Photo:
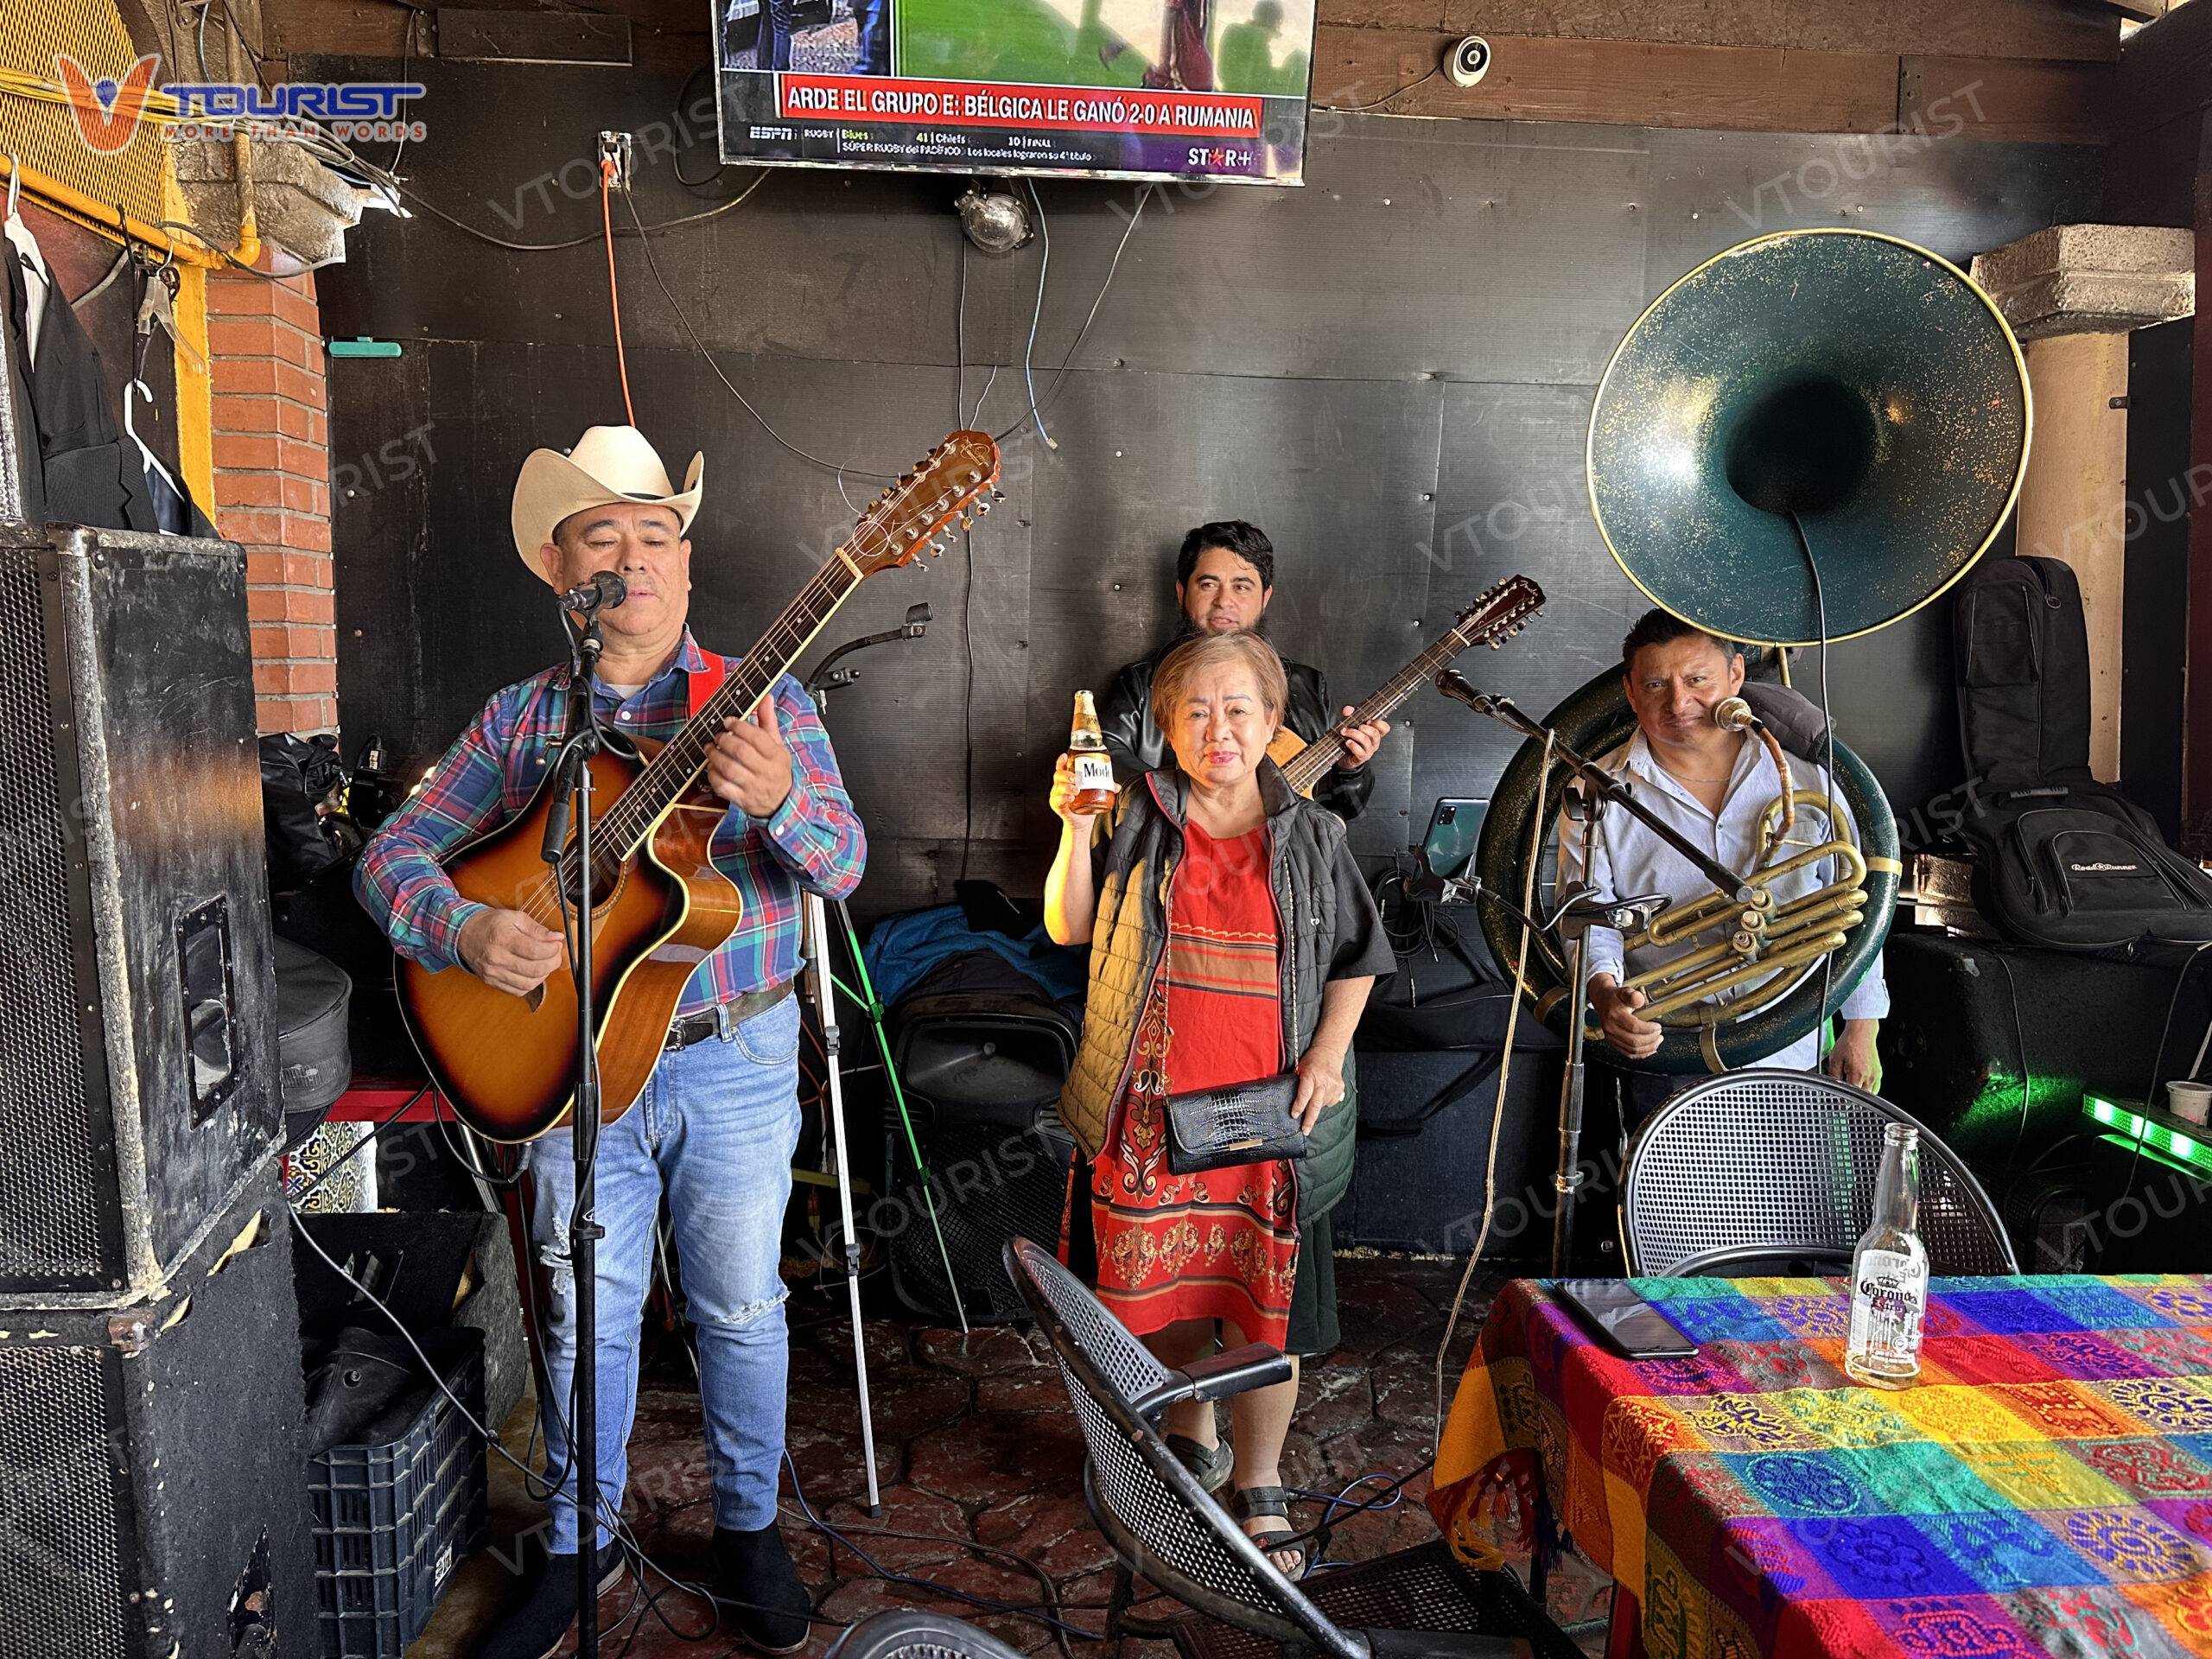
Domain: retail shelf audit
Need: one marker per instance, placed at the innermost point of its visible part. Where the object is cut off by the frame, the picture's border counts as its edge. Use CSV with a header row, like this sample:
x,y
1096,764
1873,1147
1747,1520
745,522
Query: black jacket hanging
x,y
91,473
30,473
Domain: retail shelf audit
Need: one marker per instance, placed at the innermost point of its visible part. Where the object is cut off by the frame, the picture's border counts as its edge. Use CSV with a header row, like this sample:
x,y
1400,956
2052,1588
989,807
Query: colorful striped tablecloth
x,y
2045,1489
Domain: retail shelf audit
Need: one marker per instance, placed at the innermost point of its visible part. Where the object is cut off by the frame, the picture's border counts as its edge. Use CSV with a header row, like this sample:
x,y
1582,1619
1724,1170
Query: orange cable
x,y
614,295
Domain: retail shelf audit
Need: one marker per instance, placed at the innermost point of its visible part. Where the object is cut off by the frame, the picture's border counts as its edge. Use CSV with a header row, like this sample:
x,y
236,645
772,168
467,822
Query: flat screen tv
x,y
1121,89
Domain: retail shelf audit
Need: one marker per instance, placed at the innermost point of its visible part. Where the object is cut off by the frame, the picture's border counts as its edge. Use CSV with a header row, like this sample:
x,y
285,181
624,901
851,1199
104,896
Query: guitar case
x,y
2064,862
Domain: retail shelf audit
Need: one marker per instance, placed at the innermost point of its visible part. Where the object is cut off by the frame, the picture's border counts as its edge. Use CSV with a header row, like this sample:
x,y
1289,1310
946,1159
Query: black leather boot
x,y
536,1624
759,1589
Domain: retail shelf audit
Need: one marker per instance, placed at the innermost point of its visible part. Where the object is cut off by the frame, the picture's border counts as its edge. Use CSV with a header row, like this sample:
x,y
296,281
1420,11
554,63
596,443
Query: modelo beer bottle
x,y
1094,770
1889,1272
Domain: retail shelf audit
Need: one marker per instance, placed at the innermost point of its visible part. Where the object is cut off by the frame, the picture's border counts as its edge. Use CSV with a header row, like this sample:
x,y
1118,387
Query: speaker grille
x,y
60,1561
49,1211
980,1205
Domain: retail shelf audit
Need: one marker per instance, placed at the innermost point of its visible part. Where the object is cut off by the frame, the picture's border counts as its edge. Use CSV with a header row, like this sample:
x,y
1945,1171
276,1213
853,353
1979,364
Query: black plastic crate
x,y
392,1522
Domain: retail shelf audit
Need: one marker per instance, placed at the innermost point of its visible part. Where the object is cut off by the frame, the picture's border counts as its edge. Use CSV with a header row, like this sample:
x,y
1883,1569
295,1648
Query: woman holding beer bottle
x,y
1231,941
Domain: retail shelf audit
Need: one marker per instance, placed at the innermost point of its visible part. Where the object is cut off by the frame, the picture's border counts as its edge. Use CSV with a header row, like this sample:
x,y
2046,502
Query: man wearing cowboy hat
x,y
715,1129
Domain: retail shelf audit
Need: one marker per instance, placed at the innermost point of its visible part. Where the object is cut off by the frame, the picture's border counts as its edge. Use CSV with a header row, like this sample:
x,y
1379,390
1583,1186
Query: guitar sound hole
x,y
605,876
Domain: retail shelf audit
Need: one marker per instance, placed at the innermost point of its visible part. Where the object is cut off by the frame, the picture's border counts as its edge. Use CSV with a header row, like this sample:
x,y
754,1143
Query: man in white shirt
x,y
1711,786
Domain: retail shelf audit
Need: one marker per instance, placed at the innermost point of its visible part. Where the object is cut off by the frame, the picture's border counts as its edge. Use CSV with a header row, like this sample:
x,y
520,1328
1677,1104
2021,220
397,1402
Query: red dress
x,y
1224,1245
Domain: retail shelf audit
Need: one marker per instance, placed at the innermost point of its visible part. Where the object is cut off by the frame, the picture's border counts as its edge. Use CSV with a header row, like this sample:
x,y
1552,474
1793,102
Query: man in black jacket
x,y
1225,578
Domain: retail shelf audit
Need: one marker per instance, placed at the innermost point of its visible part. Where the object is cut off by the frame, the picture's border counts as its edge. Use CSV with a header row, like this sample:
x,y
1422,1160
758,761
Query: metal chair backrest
x,y
1771,1163
1151,1508
915,1633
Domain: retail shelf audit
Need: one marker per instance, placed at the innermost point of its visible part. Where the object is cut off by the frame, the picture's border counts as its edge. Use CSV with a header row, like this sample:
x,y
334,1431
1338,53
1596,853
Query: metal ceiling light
x,y
995,219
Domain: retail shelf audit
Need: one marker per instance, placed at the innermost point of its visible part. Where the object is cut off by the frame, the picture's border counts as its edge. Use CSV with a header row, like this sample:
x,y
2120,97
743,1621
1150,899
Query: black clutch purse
x,y
1242,1123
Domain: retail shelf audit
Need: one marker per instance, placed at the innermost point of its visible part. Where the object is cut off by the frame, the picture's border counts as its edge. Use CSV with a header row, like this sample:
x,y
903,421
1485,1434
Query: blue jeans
x,y
714,1130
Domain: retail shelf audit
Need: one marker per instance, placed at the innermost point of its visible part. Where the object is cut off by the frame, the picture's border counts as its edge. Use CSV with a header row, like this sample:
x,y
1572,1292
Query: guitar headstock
x,y
1500,614
953,481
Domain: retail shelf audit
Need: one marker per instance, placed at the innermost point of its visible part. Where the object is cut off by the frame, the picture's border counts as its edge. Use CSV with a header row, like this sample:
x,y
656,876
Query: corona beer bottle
x,y
1889,1272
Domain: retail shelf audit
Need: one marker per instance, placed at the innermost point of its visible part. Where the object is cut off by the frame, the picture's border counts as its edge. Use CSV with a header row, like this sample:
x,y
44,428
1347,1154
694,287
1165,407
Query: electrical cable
x,y
1059,375
1834,791
653,265
2158,1056
610,1517
1060,1628
1362,109
1029,351
367,1140
1396,1492
960,342
1504,1076
675,162
642,230
2027,1081
607,170
968,704
406,49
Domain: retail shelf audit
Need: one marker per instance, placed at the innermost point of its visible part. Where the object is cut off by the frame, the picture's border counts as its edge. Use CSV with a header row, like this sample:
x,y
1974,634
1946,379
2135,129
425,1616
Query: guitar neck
x,y
673,771
1306,767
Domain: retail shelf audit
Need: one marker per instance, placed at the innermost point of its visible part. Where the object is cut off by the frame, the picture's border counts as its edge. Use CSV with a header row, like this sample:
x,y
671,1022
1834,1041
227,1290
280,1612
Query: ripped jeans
x,y
715,1130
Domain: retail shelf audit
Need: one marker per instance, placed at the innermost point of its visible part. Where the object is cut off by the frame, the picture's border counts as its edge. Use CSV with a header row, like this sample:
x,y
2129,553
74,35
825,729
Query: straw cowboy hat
x,y
610,465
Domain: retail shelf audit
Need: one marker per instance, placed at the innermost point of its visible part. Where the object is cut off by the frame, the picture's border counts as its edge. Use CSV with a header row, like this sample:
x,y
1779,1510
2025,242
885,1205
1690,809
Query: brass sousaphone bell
x,y
1808,436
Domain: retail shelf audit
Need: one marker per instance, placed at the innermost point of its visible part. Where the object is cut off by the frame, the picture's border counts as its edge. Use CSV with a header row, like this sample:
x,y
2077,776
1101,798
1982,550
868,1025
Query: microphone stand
x,y
1571,922
572,789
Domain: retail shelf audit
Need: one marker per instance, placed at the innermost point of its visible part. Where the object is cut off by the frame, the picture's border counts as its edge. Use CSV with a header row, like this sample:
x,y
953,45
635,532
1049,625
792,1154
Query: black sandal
x,y
1210,1466
1272,1502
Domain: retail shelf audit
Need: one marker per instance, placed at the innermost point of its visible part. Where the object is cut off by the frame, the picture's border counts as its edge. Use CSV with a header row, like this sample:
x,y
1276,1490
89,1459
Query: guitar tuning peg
x,y
998,495
982,507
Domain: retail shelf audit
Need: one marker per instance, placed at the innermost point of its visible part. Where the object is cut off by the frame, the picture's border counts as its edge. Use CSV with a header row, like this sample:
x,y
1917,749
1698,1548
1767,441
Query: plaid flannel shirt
x,y
489,776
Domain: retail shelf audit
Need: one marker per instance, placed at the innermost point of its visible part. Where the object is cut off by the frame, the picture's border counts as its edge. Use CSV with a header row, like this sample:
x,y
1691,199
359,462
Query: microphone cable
x,y
1835,789
1504,1077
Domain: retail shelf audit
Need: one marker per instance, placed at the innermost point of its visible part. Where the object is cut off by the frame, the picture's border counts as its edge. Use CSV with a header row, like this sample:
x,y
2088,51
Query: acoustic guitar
x,y
659,906
1501,613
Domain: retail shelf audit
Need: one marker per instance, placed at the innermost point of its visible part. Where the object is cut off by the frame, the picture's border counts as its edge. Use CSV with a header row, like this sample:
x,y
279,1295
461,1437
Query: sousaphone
x,y
1807,437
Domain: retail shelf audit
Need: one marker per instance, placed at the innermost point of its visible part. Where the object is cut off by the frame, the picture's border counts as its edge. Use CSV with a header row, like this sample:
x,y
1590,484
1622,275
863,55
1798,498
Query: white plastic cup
x,y
2192,1101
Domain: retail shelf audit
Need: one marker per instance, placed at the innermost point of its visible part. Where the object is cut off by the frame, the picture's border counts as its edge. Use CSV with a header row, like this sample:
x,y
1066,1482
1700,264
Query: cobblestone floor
x,y
975,1440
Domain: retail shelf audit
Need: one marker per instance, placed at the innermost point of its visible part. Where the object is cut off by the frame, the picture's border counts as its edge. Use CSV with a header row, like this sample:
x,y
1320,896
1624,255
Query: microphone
x,y
1735,715
606,590
1453,685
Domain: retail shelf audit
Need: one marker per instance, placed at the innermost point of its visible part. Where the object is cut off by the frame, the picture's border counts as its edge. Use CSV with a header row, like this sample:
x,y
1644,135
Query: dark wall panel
x,y
1390,369
2154,611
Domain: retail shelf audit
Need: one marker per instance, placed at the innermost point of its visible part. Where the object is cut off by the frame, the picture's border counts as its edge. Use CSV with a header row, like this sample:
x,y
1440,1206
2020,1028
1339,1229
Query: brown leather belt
x,y
707,1022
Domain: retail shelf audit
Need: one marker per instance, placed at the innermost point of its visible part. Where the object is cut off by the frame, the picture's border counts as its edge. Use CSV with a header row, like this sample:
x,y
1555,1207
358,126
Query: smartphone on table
x,y
1633,1327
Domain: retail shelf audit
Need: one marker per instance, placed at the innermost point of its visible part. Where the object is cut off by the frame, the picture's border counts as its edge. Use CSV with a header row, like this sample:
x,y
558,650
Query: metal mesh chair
x,y
911,1633
1162,1523
1769,1171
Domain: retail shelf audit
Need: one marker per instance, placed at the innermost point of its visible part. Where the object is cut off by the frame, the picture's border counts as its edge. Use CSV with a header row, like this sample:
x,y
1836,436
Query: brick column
x,y
272,487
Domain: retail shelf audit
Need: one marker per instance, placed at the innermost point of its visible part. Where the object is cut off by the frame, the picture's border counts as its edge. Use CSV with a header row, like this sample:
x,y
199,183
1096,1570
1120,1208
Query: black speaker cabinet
x,y
153,1498
137,1027
1423,1191
983,1075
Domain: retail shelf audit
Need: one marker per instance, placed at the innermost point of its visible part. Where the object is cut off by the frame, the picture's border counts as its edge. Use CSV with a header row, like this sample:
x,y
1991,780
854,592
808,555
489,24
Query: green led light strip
x,y
2156,1136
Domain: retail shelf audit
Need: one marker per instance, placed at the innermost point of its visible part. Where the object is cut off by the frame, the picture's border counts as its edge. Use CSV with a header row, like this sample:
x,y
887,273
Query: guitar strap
x,y
705,681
